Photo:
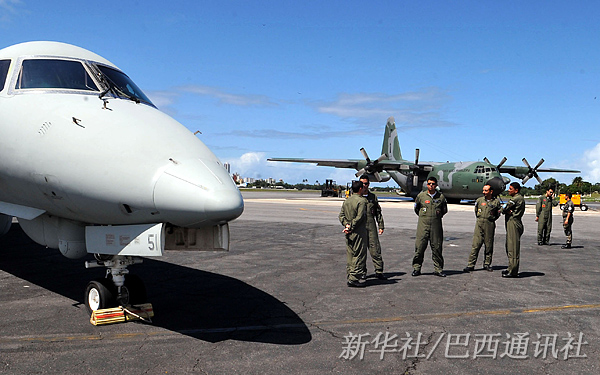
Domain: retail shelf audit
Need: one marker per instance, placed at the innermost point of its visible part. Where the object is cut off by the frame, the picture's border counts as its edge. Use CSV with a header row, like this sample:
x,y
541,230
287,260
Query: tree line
x,y
577,186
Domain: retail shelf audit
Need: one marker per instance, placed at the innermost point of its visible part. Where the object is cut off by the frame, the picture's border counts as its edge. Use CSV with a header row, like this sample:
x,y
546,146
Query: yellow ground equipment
x,y
576,198
122,314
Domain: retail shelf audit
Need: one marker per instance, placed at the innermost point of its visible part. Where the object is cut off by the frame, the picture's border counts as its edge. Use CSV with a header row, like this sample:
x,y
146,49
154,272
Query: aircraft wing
x,y
357,164
525,173
521,172
337,163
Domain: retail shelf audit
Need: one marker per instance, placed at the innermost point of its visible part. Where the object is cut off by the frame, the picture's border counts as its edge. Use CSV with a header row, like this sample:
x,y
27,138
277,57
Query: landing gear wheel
x,y
583,207
133,292
99,294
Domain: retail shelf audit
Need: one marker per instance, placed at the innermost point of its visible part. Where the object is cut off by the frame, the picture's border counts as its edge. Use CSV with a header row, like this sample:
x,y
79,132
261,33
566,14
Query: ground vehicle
x,y
576,198
330,189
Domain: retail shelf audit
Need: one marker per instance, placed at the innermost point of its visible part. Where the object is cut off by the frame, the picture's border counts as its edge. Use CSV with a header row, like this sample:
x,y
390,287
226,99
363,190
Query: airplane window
x,y
54,74
488,170
4,64
123,86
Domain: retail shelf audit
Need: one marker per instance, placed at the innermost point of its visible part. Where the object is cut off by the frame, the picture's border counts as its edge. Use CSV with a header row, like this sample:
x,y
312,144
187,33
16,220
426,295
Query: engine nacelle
x,y
385,177
57,233
498,184
5,223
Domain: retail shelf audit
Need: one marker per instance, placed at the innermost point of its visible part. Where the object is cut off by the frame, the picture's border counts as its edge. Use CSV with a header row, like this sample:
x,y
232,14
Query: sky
x,y
318,79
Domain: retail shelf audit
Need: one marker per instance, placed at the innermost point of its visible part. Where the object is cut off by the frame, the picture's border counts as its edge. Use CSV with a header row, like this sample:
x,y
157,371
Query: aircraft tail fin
x,y
391,147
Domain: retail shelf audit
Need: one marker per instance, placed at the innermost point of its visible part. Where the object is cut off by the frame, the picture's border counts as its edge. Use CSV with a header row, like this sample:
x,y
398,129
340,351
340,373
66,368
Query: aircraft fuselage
x,y
458,180
90,165
107,160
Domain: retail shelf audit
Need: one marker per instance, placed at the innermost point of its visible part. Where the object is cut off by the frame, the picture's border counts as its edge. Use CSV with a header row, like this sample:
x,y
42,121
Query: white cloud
x,y
8,8
591,159
255,165
163,99
9,4
315,134
424,108
249,164
228,98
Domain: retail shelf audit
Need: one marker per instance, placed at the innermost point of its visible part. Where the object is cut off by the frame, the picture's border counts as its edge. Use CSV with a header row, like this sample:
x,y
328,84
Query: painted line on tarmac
x,y
20,340
462,314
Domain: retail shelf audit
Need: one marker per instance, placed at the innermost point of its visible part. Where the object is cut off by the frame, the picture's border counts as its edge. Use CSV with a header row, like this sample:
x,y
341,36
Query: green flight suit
x,y
374,220
487,212
354,213
429,228
543,211
569,207
513,212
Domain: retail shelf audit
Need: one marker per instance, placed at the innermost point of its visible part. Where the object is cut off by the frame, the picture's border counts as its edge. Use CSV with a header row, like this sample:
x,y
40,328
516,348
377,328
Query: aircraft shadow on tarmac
x,y
199,304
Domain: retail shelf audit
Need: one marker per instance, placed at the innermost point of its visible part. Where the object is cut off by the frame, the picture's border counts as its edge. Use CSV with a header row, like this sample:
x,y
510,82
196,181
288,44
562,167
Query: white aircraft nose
x,y
192,194
224,205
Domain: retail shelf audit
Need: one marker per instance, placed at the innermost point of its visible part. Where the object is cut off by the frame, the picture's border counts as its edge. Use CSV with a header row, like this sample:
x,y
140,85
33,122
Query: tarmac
x,y
277,302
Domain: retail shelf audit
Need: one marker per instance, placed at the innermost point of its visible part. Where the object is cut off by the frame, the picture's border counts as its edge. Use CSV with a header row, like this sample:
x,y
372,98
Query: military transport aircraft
x,y
90,165
458,180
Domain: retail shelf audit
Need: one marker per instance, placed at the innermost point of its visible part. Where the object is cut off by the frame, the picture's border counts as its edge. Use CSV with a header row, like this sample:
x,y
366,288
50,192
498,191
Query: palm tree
x,y
578,183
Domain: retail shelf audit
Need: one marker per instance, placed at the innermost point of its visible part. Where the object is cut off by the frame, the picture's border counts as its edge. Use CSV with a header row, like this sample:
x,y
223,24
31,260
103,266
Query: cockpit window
x,y
54,74
121,85
4,64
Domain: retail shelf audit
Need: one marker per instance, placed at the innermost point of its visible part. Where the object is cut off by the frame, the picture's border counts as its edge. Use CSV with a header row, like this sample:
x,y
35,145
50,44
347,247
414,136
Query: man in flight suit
x,y
374,220
431,206
567,214
543,216
353,217
513,212
487,211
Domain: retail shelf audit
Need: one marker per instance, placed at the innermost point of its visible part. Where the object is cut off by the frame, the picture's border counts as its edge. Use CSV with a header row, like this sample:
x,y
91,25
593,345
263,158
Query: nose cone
x,y
197,193
224,205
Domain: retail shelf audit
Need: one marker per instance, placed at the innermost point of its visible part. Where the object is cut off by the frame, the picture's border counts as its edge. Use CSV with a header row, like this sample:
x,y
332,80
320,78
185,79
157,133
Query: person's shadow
x,y
192,302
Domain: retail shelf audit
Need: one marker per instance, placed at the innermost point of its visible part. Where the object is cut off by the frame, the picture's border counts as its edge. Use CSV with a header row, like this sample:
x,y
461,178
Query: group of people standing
x,y
363,223
543,216
362,220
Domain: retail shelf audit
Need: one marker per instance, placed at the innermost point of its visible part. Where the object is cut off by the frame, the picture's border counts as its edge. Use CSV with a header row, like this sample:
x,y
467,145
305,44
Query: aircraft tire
x,y
99,294
583,207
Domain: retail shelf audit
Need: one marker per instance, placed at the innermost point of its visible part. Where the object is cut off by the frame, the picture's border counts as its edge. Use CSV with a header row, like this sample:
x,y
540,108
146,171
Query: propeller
x,y
372,167
532,171
416,168
499,165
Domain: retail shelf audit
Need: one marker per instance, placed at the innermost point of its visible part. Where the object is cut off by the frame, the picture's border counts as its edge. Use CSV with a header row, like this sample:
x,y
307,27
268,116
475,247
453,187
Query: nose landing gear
x,y
118,288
